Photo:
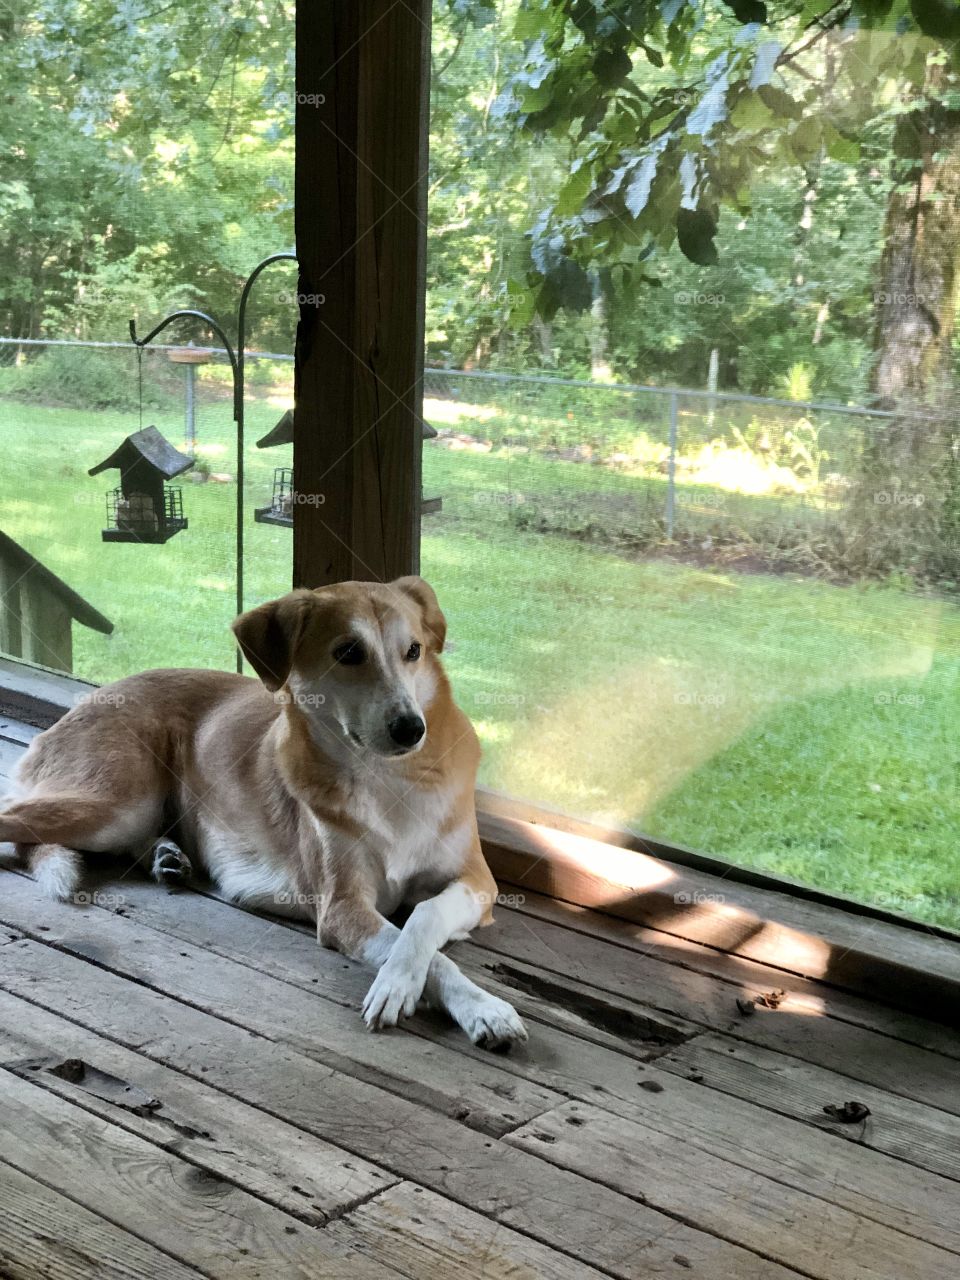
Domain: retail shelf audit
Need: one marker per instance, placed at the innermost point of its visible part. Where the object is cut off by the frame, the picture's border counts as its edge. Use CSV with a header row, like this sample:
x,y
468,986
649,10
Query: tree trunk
x,y
599,359
905,506
544,333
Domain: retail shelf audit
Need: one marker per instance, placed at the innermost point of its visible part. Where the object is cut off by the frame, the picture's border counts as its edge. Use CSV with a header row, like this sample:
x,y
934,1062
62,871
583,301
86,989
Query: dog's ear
x,y
268,635
424,597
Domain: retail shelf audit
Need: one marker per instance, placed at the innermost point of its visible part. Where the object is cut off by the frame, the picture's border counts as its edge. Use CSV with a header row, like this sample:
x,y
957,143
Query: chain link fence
x,y
745,481
714,476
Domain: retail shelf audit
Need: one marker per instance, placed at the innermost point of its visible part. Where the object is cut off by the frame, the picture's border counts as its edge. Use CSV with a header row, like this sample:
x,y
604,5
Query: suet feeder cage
x,y
144,508
280,510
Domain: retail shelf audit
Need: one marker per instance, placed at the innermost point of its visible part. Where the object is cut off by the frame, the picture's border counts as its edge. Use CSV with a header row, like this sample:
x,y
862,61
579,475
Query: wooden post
x,y
47,628
11,630
361,137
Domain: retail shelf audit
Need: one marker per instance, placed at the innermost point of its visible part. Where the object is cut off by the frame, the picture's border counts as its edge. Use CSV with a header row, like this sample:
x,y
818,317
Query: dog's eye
x,y
350,654
413,653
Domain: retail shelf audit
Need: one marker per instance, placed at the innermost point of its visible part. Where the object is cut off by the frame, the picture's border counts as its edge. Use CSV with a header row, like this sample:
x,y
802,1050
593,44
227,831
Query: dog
x,y
338,786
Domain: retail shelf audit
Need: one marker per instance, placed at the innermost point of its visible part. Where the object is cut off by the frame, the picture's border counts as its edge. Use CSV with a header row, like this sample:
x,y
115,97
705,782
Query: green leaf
x,y
566,285
748,10
695,231
806,139
712,107
768,51
846,150
574,191
523,303
781,103
940,18
533,21
638,188
751,113
710,110
612,66
537,98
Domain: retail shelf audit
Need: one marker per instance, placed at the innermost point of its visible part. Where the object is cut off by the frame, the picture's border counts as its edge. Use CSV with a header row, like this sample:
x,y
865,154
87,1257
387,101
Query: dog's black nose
x,y
406,731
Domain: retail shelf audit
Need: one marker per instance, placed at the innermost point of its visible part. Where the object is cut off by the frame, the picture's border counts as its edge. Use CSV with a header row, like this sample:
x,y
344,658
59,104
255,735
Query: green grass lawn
x,y
776,721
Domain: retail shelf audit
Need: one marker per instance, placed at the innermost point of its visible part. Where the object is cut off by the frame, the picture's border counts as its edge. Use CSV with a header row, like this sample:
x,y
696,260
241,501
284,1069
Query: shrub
x,y
81,377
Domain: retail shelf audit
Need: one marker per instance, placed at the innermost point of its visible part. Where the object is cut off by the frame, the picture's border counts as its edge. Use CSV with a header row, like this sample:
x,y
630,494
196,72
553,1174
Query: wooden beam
x,y
47,627
906,966
361,136
11,629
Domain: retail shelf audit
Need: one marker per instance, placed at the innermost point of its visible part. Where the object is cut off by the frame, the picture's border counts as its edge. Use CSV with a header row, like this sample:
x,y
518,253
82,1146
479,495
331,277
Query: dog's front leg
x,y
403,973
365,935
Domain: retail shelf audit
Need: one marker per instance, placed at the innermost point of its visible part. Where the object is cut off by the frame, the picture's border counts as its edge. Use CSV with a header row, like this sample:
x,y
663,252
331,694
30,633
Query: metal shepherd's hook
x,y
237,366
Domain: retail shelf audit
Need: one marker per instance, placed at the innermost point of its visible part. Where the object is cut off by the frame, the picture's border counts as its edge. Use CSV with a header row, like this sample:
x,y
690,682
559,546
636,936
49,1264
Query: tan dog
x,y
340,788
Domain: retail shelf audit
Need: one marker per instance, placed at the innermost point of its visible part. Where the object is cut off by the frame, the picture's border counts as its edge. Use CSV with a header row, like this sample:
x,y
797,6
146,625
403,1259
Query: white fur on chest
x,y
402,825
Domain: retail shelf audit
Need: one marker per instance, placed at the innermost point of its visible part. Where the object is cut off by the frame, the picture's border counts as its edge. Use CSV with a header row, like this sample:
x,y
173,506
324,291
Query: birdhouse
x,y
38,610
144,508
280,510
282,433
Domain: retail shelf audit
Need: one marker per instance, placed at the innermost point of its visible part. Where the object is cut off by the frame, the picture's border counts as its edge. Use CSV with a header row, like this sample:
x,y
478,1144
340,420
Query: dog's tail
x,y
56,870
40,827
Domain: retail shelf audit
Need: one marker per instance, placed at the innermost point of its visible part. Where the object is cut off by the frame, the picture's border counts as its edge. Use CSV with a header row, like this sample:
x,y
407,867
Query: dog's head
x,y
358,659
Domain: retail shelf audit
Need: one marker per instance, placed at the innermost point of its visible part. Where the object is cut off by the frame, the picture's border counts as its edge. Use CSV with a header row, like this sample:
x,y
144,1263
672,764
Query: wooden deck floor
x,y
187,1089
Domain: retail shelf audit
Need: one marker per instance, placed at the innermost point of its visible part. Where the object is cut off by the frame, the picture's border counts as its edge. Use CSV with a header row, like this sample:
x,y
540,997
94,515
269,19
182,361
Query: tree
x,y
672,111
159,137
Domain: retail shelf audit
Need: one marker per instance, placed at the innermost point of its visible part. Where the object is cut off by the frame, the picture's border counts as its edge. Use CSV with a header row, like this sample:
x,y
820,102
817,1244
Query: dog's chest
x,y
415,837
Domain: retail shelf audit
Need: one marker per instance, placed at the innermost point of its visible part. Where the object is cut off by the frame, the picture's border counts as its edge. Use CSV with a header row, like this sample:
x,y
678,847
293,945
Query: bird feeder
x,y
144,508
280,510
190,356
429,505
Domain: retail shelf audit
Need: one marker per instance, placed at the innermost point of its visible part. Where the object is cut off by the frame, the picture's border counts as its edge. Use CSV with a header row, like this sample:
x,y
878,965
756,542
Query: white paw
x,y
494,1024
394,994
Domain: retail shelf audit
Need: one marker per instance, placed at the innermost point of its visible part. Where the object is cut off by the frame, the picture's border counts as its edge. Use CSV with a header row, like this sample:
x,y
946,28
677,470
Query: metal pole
x,y
672,465
237,400
237,364
190,429
238,396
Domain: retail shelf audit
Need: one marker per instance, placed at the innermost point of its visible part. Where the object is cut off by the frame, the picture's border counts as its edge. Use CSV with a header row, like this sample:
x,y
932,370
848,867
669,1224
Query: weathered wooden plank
x,y
748,976
431,1238
898,1126
287,949
17,731
555,1059
565,1212
202,1220
36,695
912,969
47,626
868,1184
10,755
794,1228
274,1161
796,1027
46,1234
426,1071
11,627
